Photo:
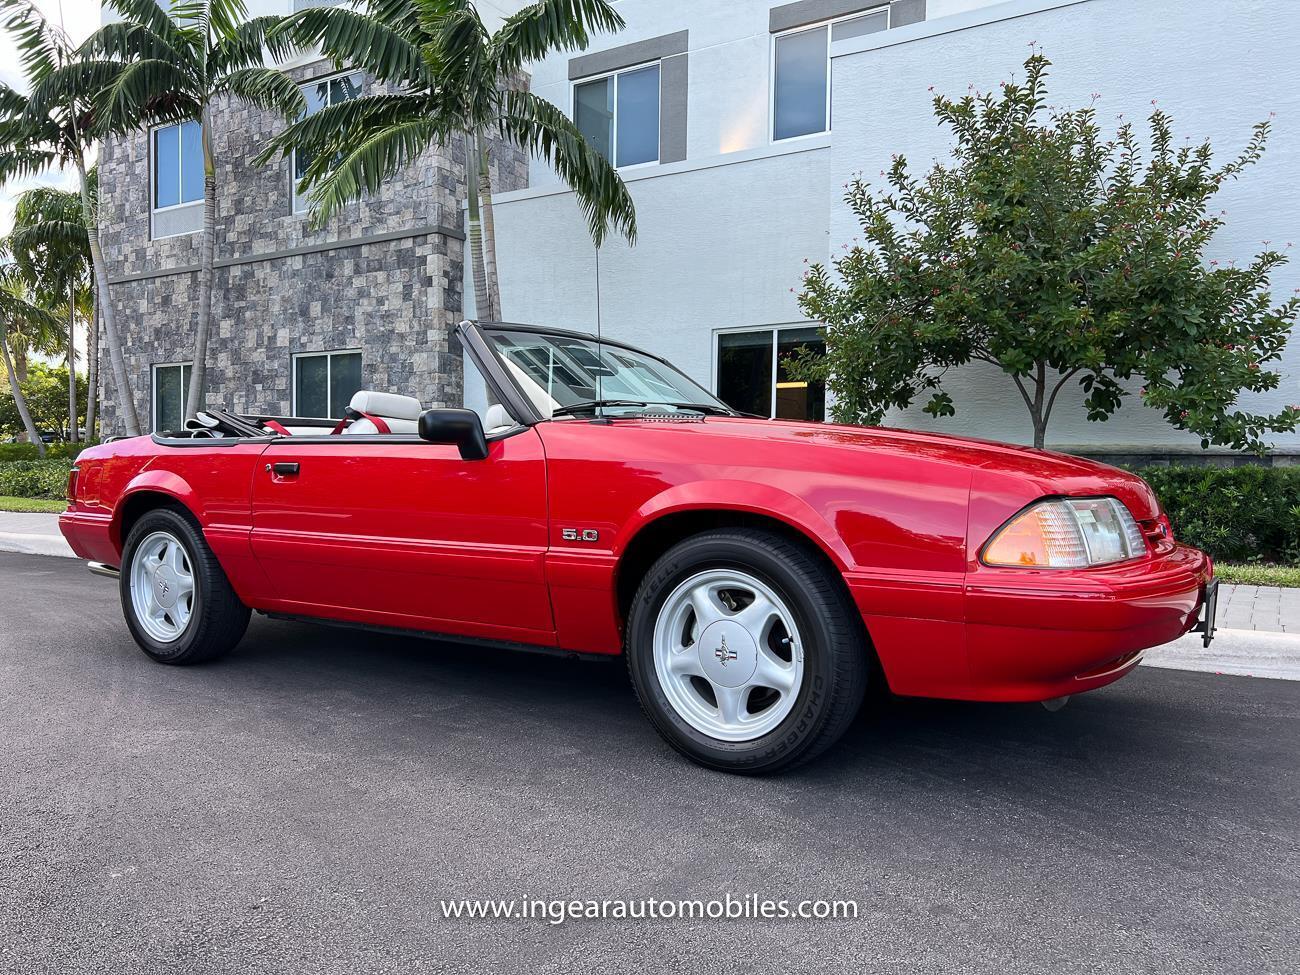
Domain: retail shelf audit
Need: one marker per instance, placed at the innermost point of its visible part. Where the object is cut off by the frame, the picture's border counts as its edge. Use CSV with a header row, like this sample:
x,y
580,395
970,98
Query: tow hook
x,y
1056,703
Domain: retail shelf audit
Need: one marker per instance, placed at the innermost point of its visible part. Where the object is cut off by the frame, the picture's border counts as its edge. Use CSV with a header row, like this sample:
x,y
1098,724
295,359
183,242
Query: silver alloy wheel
x,y
162,587
728,655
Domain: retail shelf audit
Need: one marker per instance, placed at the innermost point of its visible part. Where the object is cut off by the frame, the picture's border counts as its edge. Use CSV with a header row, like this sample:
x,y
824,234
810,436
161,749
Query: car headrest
x,y
386,404
497,417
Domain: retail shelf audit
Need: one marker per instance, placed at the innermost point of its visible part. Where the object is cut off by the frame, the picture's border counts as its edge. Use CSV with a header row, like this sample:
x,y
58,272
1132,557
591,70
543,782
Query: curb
x,y
35,544
1247,653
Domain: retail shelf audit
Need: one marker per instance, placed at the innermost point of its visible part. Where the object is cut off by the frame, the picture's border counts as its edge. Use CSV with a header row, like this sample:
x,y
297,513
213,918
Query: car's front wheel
x,y
745,652
178,603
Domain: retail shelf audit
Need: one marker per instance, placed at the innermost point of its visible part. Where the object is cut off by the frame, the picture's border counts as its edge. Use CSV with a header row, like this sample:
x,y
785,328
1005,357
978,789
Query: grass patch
x,y
1259,575
47,505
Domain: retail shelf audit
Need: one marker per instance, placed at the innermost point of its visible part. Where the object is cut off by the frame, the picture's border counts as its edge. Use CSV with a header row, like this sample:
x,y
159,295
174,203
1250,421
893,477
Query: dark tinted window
x,y
745,371
796,399
799,100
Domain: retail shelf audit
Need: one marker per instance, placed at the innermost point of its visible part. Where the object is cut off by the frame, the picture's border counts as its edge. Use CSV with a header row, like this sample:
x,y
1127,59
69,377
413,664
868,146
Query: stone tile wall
x,y
384,276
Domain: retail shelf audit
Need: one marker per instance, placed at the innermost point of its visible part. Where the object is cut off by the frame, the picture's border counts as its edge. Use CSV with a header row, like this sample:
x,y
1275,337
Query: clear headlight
x,y
1067,533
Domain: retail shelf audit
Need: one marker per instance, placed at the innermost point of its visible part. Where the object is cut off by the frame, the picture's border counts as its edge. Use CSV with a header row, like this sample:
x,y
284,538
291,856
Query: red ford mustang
x,y
592,498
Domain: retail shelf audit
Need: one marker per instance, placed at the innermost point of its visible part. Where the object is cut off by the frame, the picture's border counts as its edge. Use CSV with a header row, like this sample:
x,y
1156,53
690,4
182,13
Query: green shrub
x,y
35,478
1237,514
28,451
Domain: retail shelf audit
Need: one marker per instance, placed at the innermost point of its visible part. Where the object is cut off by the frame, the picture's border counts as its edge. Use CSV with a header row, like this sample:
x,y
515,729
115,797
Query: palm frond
x,y
66,96
42,46
456,43
40,326
339,126
266,88
244,46
22,163
357,40
123,40
63,235
333,183
550,25
540,127
399,15
12,103
150,14
147,92
225,16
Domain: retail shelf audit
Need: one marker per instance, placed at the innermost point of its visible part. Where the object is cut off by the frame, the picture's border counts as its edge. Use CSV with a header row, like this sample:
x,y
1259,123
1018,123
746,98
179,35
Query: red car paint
x,y
410,535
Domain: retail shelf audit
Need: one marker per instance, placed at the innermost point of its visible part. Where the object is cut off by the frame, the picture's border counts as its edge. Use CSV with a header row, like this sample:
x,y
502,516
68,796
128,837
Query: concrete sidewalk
x,y
1267,609
34,534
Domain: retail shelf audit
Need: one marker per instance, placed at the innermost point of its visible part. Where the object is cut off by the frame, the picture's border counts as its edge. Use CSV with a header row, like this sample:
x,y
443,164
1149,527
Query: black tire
x,y
217,619
836,649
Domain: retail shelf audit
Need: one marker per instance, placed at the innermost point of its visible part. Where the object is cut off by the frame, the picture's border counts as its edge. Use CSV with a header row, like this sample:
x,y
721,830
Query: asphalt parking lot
x,y
305,804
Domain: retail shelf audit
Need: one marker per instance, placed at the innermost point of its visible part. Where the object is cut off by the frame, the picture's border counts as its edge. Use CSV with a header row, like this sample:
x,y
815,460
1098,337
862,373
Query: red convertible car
x,y
592,498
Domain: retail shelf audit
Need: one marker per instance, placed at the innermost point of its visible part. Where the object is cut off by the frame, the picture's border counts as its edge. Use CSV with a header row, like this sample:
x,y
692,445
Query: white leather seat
x,y
497,419
401,413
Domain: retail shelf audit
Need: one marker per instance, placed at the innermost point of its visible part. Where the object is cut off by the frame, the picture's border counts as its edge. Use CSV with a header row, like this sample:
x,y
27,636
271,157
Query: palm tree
x,y
52,248
56,124
24,321
174,68
449,78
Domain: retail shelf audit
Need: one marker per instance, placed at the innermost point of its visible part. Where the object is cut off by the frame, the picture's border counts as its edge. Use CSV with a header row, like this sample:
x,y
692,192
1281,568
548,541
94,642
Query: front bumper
x,y
1038,634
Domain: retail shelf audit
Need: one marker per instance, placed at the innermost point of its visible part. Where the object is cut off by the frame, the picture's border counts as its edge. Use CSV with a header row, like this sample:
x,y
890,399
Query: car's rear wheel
x,y
745,651
178,603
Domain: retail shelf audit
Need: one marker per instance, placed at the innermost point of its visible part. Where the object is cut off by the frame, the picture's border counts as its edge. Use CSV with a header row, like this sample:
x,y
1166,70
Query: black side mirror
x,y
454,426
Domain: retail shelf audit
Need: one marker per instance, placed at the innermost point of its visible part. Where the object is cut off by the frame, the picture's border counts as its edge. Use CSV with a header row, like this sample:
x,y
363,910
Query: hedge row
x,y
35,478
1237,514
28,451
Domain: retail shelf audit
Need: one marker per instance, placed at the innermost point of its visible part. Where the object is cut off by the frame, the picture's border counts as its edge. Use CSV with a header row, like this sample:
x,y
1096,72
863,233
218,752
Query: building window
x,y
801,64
325,382
177,165
171,384
619,115
320,94
753,374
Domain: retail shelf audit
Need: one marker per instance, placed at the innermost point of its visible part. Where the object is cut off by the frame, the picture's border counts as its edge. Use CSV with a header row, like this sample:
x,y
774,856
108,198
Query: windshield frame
x,y
502,373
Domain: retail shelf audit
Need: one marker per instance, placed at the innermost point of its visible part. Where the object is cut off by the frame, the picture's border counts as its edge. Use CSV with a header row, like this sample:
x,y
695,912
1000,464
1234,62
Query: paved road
x,y
303,805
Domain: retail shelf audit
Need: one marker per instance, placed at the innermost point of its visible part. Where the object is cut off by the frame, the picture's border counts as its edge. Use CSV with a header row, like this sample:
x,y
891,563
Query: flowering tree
x,y
1056,256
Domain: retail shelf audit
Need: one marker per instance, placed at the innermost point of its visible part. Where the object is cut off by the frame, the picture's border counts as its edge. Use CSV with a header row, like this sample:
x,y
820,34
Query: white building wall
x,y
724,234
1216,68
722,244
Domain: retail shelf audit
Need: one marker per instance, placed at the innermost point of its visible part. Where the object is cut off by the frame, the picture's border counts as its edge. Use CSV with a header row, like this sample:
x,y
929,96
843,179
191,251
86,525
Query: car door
x,y
391,530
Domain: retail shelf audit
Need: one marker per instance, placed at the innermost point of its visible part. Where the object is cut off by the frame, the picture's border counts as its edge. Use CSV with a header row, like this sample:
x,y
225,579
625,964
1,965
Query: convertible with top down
x,y
589,497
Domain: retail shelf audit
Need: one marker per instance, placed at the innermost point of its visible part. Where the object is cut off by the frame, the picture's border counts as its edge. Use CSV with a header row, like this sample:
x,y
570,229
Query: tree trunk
x,y
194,401
1039,410
74,428
20,364
20,400
125,401
489,232
482,303
92,370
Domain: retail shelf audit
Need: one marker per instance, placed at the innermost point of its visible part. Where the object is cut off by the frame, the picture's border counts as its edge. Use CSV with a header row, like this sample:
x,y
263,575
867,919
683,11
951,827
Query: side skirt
x,y
443,637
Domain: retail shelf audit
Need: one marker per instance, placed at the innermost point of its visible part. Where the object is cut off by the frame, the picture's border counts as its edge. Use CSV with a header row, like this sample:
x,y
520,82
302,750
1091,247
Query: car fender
x,y
156,482
739,496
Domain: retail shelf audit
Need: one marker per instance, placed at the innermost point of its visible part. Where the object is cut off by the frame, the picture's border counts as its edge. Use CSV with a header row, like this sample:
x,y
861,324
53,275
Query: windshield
x,y
562,372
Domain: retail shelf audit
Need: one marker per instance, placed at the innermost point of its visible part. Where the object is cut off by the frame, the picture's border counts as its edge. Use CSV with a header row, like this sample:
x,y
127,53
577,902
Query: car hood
x,y
1047,471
